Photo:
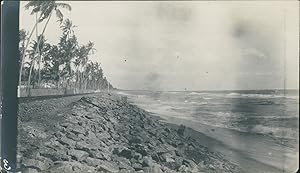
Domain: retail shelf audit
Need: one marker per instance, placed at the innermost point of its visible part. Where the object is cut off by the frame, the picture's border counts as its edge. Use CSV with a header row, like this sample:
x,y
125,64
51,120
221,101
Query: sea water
x,y
267,112
263,114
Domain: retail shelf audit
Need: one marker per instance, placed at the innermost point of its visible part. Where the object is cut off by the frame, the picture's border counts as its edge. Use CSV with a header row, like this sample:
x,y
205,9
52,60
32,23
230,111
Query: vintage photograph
x,y
158,87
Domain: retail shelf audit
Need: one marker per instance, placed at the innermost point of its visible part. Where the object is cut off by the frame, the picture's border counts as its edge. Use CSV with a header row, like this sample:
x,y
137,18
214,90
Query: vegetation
x,y
63,65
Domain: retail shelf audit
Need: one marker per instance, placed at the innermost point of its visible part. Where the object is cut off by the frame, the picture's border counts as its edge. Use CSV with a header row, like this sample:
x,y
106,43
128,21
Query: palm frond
x,y
32,4
59,15
64,5
45,14
35,10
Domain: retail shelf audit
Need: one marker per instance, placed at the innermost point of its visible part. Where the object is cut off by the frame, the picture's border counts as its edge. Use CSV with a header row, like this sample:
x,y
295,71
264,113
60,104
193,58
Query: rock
x,y
66,167
153,169
88,145
30,170
124,163
147,162
55,155
141,149
78,130
103,156
167,130
66,124
126,153
124,99
66,141
93,162
137,166
52,143
189,163
89,116
137,156
156,157
183,169
167,157
161,140
81,136
135,139
181,130
107,167
103,135
92,137
118,149
78,155
73,136
39,165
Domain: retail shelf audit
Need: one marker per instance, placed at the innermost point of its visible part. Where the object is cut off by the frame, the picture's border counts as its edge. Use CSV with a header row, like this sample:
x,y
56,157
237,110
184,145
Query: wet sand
x,y
252,152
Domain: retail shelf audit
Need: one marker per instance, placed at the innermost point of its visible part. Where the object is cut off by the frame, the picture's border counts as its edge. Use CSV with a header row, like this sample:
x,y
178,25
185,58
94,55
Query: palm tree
x,y
52,61
81,61
44,48
67,28
68,49
45,8
23,37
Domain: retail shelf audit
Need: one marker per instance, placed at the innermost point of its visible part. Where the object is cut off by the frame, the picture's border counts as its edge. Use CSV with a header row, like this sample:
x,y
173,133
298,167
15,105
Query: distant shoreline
x,y
245,90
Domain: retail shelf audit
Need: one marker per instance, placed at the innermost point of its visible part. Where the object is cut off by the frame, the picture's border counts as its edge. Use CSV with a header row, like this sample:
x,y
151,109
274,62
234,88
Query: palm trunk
x,y
23,56
38,44
37,38
39,61
29,78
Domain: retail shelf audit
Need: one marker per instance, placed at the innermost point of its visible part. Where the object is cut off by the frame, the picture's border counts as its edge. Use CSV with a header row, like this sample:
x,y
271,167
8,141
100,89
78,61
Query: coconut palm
x,y
67,28
23,37
68,47
45,10
43,47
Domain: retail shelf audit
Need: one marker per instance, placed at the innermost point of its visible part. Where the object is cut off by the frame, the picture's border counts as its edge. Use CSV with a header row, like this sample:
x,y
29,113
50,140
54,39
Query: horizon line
x,y
208,90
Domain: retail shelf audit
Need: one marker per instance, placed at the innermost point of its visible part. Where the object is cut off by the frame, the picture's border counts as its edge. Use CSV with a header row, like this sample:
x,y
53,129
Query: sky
x,y
193,45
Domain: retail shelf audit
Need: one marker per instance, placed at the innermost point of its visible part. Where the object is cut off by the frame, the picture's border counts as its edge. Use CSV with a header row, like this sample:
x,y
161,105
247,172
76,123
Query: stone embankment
x,y
105,133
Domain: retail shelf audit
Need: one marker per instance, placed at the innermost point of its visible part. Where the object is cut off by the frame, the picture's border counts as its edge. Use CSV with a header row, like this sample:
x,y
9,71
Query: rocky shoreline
x,y
105,133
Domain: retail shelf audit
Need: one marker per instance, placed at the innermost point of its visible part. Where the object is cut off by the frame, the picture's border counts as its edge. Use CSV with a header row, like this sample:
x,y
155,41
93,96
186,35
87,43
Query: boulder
x,y
66,141
78,155
156,168
37,164
55,155
126,153
137,166
181,130
66,167
124,163
147,161
107,167
30,170
189,163
78,130
135,140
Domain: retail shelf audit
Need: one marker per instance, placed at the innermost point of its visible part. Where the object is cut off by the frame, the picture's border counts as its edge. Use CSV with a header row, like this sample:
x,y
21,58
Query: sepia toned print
x,y
158,86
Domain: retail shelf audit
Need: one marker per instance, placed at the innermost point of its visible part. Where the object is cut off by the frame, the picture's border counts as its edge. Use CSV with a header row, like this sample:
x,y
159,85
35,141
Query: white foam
x,y
238,95
280,132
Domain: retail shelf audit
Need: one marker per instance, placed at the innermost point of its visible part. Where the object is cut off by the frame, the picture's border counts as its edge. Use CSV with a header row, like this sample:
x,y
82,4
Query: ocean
x,y
269,114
